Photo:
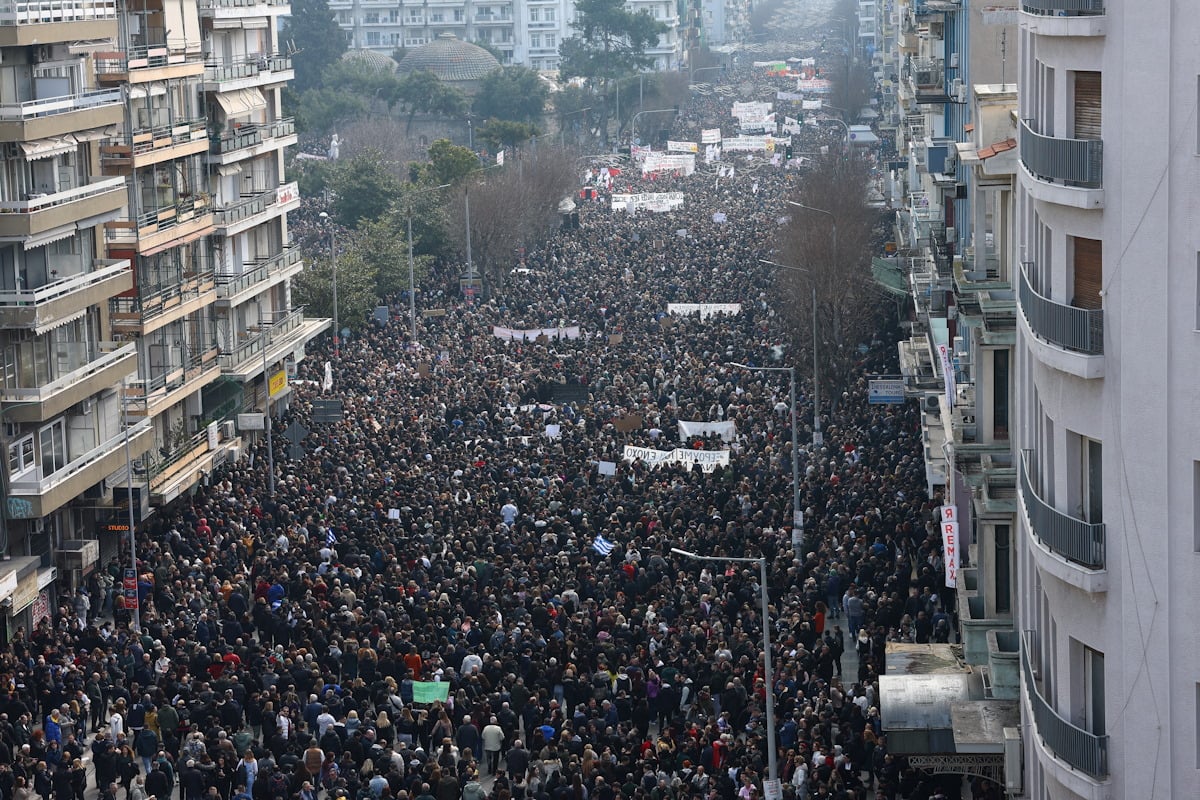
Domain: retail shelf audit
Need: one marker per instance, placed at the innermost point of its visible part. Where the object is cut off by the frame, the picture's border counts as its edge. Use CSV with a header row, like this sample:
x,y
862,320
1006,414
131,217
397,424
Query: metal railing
x,y
39,12
173,213
1073,162
209,4
1084,751
104,269
251,135
144,392
928,73
1068,327
271,333
1073,539
95,186
1069,8
32,109
162,137
95,363
256,272
244,208
246,67
78,464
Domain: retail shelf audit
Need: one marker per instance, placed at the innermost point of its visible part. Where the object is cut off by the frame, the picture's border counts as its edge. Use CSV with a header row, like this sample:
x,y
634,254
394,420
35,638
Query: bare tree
x,y
831,241
512,208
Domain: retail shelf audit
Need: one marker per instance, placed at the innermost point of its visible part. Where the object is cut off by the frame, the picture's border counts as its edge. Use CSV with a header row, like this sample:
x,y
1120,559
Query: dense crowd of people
x,y
472,522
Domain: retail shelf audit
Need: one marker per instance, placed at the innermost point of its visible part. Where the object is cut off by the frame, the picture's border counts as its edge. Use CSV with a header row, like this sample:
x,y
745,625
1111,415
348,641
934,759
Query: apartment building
x,y
524,32
60,403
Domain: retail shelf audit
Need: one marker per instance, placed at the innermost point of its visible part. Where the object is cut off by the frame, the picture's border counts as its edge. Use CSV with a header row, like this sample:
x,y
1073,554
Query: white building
x,y
526,32
1110,529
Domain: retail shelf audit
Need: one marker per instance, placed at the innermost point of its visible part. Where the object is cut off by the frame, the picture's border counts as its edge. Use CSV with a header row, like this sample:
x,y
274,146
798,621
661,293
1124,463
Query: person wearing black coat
x,y
158,784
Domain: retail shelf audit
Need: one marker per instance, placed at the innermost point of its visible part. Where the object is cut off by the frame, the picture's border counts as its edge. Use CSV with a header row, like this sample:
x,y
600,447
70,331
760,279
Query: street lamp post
x,y
266,342
818,439
412,283
797,512
137,608
633,122
337,331
692,72
768,677
562,136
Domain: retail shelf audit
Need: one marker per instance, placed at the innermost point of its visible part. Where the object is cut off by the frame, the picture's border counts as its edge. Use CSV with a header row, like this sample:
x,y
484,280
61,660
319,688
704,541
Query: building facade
x,y
523,32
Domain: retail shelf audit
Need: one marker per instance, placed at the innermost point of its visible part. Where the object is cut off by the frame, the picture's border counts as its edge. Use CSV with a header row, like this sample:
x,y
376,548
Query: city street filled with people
x,y
473,522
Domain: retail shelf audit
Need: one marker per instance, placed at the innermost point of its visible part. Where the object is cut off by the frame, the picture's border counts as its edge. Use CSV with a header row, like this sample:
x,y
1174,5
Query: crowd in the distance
x,y
450,530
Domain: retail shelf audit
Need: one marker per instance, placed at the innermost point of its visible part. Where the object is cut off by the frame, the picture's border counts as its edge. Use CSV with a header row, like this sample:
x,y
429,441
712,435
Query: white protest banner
x,y
727,430
756,123
707,459
553,431
947,373
791,126
781,95
750,109
710,136
705,310
529,334
608,468
682,147
749,143
812,105
950,552
816,85
676,162
650,201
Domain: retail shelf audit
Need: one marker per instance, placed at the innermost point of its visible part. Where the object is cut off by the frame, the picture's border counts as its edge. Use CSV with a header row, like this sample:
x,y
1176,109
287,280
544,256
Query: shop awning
x,y
48,148
241,102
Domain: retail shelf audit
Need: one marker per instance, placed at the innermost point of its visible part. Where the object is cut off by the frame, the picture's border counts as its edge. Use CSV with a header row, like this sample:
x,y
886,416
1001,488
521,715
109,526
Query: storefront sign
x,y
278,382
26,593
41,608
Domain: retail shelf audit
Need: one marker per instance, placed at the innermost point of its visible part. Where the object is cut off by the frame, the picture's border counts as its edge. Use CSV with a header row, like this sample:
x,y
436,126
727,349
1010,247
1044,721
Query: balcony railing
x,y
246,67
243,209
256,272
1073,539
33,109
1072,162
39,486
251,135
1069,8
38,12
95,363
160,138
172,214
145,392
1068,327
265,337
96,186
1084,751
60,288
928,73
204,5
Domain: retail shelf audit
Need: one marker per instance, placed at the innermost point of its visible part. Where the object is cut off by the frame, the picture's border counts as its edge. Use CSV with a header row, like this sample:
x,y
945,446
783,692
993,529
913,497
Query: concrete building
x,y
525,32
61,406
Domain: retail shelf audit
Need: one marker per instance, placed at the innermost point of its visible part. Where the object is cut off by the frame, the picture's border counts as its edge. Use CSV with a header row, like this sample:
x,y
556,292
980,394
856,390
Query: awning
x,y
50,236
889,275
225,170
241,102
48,148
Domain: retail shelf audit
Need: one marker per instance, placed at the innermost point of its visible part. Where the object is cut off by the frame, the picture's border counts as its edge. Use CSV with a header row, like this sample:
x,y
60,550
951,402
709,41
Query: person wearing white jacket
x,y
493,743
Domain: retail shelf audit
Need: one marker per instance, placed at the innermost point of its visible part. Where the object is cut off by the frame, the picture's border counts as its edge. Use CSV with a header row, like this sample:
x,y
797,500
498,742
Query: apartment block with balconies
x,y
257,330
61,420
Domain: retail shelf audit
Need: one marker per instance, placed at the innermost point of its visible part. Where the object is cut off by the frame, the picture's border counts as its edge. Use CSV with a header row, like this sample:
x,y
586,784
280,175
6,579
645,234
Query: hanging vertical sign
x,y
950,544
947,373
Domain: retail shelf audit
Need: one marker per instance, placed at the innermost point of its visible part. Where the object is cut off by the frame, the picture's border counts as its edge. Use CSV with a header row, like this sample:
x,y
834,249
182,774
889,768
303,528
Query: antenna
x,y
1003,54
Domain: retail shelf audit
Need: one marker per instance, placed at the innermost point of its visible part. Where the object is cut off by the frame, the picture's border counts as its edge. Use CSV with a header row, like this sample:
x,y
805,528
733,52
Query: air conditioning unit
x,y
1014,766
954,61
958,90
931,402
228,430
85,407
951,235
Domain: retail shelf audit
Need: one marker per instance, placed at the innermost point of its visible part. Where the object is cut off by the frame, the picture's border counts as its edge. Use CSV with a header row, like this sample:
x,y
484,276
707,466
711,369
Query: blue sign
x,y
885,391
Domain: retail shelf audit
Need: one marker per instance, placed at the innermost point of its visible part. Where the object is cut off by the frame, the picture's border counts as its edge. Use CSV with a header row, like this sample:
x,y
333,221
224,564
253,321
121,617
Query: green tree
x,y
364,188
516,94
421,92
314,33
449,162
500,133
356,280
610,42
319,110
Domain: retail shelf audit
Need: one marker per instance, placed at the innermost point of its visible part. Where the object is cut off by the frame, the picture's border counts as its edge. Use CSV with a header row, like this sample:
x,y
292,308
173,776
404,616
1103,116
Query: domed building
x,y
369,58
455,62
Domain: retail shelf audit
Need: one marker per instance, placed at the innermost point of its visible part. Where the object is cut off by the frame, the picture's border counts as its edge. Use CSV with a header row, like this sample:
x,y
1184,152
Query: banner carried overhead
x,y
727,430
650,201
749,144
674,162
710,136
532,334
708,460
705,310
682,147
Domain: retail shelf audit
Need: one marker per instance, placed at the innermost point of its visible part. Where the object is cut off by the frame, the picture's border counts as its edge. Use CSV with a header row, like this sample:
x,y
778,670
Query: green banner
x,y
430,691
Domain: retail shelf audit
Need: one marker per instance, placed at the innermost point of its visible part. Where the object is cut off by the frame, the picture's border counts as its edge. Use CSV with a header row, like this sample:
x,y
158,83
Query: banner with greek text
x,y
682,147
710,136
749,143
674,162
650,201
727,430
708,460
705,310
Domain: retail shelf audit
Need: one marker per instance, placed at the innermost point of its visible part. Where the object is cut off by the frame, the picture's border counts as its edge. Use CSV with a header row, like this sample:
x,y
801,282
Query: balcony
x,y
258,275
58,116
1068,548
250,211
1079,749
151,396
1064,171
185,220
42,213
285,335
144,63
152,146
1065,337
33,498
247,72
152,308
43,308
249,141
29,22
495,19
1065,17
179,468
238,9
99,373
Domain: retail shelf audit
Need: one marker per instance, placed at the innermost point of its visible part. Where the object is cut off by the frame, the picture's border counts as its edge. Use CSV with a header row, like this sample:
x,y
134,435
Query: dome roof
x,y
449,59
370,58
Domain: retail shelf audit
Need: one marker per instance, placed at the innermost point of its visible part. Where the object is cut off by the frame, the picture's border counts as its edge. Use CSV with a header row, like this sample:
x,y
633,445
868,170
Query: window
x,y
20,457
52,442
549,16
1087,689
1088,280
459,15
1000,391
535,14
551,41
535,41
372,38
1003,568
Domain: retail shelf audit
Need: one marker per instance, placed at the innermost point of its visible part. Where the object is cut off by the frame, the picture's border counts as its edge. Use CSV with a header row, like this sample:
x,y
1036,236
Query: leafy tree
x,y
319,110
364,188
314,32
500,133
430,234
449,162
356,278
516,94
611,41
421,92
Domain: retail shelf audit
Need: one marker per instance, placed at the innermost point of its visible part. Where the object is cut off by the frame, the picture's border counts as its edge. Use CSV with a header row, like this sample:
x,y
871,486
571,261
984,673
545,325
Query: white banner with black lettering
x,y
650,201
727,430
708,460
669,162
682,147
710,136
530,334
705,310
749,143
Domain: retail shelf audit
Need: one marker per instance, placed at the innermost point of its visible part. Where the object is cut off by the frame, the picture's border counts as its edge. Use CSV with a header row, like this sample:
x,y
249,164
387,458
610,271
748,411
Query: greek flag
x,y
330,537
602,546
